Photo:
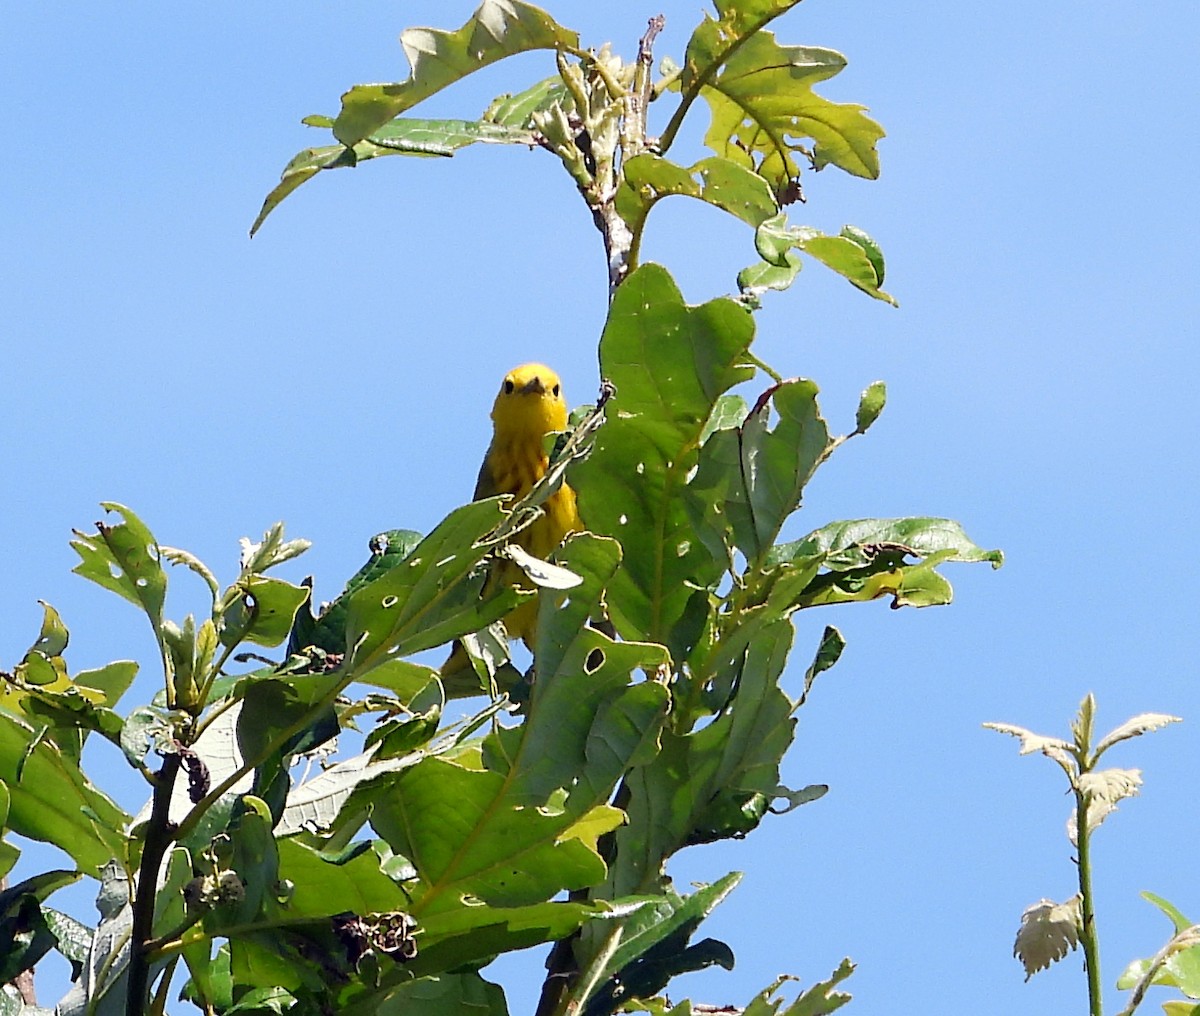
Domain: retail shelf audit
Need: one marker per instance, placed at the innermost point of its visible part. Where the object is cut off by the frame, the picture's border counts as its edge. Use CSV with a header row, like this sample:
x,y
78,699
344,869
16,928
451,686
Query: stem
x,y
215,672
158,838
638,98
1087,931
701,80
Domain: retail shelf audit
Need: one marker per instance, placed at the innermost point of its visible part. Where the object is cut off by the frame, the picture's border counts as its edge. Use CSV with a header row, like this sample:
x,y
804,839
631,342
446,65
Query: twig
x,y
158,838
1087,931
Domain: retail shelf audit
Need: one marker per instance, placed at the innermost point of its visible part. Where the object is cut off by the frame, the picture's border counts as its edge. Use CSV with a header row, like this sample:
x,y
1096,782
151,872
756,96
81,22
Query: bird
x,y
529,405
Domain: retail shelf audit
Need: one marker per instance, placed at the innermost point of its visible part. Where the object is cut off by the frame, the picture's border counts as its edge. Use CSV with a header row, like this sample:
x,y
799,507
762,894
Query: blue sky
x,y
1036,208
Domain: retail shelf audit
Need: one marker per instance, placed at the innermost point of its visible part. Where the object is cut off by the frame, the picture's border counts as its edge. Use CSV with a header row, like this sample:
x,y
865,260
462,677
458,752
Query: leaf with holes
x,y
264,612
670,363
648,178
521,824
327,629
764,107
588,718
866,559
467,837
426,599
125,560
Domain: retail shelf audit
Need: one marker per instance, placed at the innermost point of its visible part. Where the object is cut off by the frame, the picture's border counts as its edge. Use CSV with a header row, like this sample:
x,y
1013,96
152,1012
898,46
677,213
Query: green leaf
x,y
670,363
111,680
867,559
25,936
523,828
425,601
211,982
264,612
455,932
718,781
498,29
648,975
8,853
715,40
443,994
402,136
586,721
466,837
763,104
411,136
661,917
869,247
472,935
756,474
870,405
821,999
517,110
269,708
125,560
170,906
53,637
852,253
858,542
828,653
144,725
263,1000
759,277
1172,913
328,630
648,178
256,864
52,801
743,746
323,887
1181,969
727,414
40,691
70,715
271,961
402,678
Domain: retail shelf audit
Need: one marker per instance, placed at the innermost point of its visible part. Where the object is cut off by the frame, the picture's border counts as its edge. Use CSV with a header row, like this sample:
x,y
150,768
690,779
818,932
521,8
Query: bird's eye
x,y
556,387
509,387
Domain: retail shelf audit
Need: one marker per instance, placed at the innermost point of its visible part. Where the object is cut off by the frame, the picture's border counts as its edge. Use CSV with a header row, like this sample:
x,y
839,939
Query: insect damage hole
x,y
594,661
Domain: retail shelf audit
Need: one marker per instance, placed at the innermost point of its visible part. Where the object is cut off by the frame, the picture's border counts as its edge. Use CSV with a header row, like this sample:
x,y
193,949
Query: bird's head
x,y
530,403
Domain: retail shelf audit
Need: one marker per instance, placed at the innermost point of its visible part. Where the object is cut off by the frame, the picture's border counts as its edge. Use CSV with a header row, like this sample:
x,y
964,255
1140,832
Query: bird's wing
x,y
485,486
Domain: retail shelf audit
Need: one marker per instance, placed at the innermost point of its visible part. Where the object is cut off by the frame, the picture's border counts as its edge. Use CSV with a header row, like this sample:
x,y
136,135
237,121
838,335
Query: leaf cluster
x,y
654,715
767,127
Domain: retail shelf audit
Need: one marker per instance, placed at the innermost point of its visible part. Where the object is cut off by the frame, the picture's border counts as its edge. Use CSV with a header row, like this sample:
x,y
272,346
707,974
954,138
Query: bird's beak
x,y
534,386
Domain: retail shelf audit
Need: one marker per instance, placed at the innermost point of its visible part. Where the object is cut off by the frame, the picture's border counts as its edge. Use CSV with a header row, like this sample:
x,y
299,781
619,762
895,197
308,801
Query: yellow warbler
x,y
529,406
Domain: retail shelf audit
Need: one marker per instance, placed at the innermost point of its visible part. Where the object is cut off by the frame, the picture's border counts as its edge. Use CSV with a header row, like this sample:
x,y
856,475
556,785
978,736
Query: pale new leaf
x,y
1143,723
1102,790
1031,742
1048,932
